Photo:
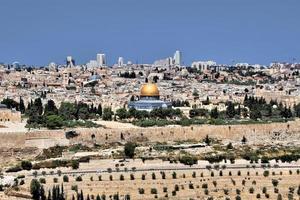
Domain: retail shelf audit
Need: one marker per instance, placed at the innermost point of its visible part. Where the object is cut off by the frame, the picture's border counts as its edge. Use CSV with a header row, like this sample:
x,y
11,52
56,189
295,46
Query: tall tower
x,y
101,61
120,61
70,61
177,58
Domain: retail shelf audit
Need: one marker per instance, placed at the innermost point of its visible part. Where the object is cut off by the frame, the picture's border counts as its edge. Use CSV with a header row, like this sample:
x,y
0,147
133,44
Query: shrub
x,y
42,180
191,186
258,196
204,186
275,182
26,165
153,176
188,160
141,191
99,178
78,178
206,192
55,180
14,169
264,190
22,182
129,149
65,178
122,177
110,177
21,176
131,177
194,175
74,187
75,164
174,175
266,173
251,190
143,176
165,189
176,188
153,191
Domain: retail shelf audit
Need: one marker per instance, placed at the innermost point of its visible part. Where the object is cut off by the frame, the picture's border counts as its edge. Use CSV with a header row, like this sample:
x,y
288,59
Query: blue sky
x,y
254,31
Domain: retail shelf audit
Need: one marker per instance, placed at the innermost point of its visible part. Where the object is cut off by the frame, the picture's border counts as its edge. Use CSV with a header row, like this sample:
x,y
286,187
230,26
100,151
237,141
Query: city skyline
x,y
255,32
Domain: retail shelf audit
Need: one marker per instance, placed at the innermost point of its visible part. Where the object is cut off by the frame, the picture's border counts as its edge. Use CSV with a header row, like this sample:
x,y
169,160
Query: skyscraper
x,y
120,61
177,58
101,61
70,61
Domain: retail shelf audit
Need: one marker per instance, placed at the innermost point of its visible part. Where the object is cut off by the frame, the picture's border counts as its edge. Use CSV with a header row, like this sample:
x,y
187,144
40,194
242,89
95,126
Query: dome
x,y
149,90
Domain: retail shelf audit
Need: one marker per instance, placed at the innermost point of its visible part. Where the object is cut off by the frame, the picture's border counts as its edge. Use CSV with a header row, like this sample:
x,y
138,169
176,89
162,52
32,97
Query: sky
x,y
38,32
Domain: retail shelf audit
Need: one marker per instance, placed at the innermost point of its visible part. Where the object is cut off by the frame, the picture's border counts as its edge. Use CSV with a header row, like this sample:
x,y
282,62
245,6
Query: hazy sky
x,y
254,31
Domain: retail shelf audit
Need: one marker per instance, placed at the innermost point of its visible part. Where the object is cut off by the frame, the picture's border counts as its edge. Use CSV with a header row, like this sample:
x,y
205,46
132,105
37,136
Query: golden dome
x,y
149,90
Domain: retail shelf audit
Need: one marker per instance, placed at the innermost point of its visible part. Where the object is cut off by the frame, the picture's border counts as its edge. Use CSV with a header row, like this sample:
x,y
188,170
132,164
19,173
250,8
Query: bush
x,y
275,182
42,180
251,190
78,178
26,165
188,160
129,149
75,164
141,191
65,178
55,180
153,191
174,175
266,173
74,188
14,169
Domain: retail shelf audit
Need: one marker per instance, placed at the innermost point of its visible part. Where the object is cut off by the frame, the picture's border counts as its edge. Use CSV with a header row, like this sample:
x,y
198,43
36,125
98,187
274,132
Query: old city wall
x,y
46,138
163,134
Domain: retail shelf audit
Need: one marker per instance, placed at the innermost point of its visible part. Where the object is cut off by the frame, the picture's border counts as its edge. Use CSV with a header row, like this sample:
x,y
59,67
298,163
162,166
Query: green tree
x,y
50,108
255,114
129,149
35,189
214,113
99,110
22,106
122,113
54,121
107,114
26,165
67,111
230,111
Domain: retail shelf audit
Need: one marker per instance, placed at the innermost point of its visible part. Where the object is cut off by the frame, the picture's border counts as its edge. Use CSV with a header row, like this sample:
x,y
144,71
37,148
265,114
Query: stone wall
x,y
255,133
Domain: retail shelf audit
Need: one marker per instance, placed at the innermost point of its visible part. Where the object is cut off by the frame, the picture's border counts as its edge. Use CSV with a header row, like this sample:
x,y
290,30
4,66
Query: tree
x,y
99,110
26,165
129,149
67,111
255,114
244,140
35,189
10,103
75,164
214,113
230,111
107,114
50,108
122,113
22,106
54,121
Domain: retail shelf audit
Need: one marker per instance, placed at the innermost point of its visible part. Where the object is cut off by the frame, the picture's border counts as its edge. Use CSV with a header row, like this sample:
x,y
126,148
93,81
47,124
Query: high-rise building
x,y
70,61
120,61
101,61
177,58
